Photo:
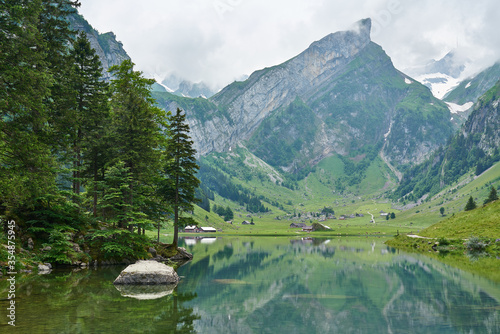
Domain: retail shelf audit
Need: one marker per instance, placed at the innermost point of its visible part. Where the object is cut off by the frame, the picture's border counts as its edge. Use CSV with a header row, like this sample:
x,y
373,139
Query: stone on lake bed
x,y
147,273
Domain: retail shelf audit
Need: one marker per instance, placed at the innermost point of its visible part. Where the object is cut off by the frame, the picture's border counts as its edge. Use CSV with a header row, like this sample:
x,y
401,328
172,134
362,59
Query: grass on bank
x,y
483,221
469,240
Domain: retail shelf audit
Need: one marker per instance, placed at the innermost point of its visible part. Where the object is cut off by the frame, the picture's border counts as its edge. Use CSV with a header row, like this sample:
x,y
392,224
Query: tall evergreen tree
x,y
27,75
471,204
54,26
180,171
22,89
88,117
493,196
137,134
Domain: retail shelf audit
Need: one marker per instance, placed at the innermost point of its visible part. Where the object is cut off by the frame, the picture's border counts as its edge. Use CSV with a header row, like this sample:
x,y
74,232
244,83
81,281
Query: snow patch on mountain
x,y
456,108
439,83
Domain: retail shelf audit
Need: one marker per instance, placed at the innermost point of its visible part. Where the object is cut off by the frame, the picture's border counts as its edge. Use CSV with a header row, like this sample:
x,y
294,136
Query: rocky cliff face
x,y
109,50
475,146
484,122
339,96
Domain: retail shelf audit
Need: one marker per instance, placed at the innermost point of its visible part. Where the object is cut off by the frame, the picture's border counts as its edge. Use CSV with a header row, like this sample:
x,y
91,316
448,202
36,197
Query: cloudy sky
x,y
218,41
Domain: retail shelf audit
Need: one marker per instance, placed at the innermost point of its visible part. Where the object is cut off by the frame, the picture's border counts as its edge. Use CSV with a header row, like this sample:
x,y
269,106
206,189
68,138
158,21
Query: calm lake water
x,y
267,285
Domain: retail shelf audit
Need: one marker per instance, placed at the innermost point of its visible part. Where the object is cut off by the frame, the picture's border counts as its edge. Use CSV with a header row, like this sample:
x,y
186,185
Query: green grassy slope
x,y
484,221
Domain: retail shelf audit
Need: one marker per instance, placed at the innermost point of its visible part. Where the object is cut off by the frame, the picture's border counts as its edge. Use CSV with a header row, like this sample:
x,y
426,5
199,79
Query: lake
x,y
267,285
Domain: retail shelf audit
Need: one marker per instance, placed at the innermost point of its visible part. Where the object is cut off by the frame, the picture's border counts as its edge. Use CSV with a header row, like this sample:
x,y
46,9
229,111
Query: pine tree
x,y
471,205
180,171
54,26
114,205
137,134
492,197
89,117
28,34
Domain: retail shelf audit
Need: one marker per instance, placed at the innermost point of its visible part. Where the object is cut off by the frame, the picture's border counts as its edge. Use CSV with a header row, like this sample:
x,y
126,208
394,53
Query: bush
x,y
475,244
119,243
443,241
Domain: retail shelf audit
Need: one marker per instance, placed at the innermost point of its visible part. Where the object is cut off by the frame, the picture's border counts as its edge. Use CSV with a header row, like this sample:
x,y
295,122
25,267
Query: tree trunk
x,y
176,226
176,211
94,204
158,232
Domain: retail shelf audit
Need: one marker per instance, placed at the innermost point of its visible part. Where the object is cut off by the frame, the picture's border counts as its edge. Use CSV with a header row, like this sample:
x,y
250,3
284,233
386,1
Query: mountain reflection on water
x,y
278,285
269,285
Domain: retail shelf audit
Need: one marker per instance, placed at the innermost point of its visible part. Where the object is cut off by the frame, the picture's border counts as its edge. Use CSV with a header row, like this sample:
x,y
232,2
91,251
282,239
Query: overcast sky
x,y
218,41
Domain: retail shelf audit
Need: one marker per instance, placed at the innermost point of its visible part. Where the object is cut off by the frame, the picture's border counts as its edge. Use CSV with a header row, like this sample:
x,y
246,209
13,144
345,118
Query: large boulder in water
x,y
147,273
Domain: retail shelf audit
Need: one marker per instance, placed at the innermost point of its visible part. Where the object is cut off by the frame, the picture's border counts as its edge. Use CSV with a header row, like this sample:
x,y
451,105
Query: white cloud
x,y
217,41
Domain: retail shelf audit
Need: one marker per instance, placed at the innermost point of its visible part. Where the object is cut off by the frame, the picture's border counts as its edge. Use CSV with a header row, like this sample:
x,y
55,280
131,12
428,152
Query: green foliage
x,y
327,211
119,243
28,167
226,212
137,138
114,204
61,248
57,133
475,244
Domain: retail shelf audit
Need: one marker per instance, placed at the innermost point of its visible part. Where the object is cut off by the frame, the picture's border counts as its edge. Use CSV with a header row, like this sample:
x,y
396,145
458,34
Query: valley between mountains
x,y
338,126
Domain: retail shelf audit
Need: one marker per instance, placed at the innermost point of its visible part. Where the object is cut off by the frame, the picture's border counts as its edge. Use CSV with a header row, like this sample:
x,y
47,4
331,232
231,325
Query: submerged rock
x,y
182,255
145,292
147,273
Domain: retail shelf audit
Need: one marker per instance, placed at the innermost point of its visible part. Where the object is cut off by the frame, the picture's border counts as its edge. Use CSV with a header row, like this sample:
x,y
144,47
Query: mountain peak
x,y
363,27
358,36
